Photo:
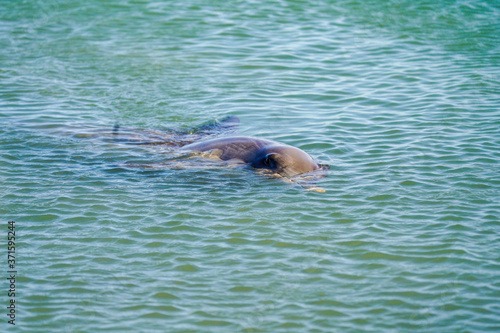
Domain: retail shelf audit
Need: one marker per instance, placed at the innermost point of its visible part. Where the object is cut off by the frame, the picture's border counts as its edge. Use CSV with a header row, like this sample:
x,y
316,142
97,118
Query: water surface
x,y
401,98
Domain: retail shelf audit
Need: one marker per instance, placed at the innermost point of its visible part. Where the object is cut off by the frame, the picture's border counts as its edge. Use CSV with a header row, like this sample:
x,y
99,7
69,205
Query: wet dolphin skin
x,y
259,153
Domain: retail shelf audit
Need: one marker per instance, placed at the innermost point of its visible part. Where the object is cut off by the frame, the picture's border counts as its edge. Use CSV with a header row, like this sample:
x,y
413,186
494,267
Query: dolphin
x,y
220,139
277,157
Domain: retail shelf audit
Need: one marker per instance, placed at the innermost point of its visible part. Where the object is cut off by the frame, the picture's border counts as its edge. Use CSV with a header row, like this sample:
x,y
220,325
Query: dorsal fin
x,y
228,125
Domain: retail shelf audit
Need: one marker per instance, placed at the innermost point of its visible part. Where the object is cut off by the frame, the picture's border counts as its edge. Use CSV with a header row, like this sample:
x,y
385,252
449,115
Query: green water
x,y
401,98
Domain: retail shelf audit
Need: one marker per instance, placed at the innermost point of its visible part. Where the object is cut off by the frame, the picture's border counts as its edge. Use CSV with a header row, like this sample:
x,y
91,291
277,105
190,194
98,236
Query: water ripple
x,y
399,97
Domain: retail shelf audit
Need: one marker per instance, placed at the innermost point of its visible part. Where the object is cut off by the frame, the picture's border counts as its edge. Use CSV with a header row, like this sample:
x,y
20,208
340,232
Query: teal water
x,y
401,98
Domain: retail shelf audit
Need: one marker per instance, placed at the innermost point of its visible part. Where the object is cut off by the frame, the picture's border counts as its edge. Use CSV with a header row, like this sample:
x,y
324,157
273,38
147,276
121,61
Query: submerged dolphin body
x,y
213,138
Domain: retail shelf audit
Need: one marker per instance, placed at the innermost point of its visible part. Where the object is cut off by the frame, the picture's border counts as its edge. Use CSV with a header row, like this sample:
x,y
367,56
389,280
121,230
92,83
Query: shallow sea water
x,y
401,98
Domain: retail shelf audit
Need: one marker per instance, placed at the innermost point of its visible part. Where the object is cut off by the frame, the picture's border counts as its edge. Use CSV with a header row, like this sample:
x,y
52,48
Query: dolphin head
x,y
286,160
